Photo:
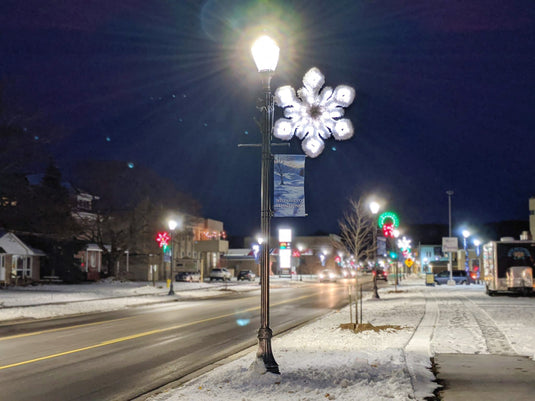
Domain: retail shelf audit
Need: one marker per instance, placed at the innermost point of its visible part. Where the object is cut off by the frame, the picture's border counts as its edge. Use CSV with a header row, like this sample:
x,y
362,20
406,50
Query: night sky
x,y
445,98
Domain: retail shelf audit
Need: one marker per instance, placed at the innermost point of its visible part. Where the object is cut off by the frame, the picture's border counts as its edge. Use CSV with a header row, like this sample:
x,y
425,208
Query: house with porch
x,y
19,262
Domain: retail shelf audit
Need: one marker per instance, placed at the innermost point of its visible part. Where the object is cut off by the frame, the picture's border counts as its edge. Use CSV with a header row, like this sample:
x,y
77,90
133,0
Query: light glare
x,y
265,53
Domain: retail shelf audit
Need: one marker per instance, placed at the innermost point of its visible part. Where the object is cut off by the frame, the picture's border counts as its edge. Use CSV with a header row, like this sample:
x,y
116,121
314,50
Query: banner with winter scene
x,y
289,186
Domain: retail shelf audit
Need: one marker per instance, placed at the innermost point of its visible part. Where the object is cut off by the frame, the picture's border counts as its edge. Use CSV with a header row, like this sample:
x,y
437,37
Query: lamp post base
x,y
264,351
171,291
451,282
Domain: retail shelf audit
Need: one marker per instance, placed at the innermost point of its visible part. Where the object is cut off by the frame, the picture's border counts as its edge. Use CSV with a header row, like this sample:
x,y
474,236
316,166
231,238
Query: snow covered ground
x,y
50,300
321,361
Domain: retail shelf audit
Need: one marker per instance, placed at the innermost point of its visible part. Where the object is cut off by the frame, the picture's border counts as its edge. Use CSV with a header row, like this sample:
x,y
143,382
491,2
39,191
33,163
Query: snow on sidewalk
x,y
322,361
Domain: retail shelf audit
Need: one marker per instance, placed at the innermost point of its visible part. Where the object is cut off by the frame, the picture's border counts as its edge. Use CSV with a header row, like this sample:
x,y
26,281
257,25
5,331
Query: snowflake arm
x,y
313,115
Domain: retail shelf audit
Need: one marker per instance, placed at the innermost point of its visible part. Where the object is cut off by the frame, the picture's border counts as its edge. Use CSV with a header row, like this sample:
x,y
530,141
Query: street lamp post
x,y
466,234
477,242
172,225
374,208
266,54
450,266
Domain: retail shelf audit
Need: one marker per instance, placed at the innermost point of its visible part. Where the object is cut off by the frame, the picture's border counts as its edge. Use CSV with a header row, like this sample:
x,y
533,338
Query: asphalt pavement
x,y
485,377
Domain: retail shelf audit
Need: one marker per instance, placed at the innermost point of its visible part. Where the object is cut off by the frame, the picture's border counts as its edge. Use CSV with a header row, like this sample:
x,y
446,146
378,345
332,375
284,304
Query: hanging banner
x,y
289,186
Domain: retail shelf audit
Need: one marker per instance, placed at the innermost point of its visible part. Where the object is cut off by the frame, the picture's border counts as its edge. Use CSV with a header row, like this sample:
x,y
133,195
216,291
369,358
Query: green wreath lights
x,y
388,216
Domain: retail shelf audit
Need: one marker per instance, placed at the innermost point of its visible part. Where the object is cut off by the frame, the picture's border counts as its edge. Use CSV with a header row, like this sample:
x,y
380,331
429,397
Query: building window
x,y
438,251
23,266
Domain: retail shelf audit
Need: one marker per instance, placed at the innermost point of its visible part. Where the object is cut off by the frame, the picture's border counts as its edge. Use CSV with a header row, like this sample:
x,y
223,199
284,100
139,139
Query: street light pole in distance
x,y
466,234
172,225
374,208
450,265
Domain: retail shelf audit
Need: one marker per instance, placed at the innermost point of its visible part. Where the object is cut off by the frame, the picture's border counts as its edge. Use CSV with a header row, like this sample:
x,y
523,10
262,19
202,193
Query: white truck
x,y
508,266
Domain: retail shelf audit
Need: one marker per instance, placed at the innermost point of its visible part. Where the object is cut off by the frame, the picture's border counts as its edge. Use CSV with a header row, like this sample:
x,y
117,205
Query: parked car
x,y
220,274
380,274
188,276
246,275
459,276
349,273
328,275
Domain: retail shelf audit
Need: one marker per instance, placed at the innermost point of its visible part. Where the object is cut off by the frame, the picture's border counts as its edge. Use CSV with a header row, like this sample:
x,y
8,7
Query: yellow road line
x,y
34,333
139,335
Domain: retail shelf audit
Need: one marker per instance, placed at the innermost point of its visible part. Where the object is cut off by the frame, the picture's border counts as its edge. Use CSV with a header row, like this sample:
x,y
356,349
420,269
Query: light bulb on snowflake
x,y
313,115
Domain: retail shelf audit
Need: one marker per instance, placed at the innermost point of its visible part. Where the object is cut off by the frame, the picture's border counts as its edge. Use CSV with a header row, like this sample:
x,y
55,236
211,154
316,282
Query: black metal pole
x,y
375,292
171,290
264,333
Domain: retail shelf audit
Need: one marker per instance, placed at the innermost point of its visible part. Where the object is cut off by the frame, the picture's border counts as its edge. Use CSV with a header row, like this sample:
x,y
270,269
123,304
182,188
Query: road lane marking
x,y
34,333
143,334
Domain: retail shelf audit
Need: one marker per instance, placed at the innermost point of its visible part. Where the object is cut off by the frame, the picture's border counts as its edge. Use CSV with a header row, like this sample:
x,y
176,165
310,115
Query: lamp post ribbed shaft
x,y
264,333
171,289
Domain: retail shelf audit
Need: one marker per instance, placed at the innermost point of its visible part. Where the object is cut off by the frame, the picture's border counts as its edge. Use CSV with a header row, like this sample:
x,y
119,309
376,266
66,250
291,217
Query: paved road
x,y
119,355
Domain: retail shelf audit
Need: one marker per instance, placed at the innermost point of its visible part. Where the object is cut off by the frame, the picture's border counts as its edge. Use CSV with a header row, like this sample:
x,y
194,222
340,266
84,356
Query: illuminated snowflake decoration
x,y
404,244
313,116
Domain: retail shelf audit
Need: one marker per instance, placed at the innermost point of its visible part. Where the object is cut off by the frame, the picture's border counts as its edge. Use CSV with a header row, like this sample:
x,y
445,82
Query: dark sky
x,y
445,97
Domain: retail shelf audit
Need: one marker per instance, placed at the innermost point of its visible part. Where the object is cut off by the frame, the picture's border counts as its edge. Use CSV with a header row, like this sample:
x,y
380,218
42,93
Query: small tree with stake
x,y
356,229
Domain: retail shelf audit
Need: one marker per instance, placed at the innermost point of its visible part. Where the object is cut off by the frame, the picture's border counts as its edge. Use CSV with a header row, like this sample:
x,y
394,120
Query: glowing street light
x,y
374,207
476,243
266,55
466,234
312,114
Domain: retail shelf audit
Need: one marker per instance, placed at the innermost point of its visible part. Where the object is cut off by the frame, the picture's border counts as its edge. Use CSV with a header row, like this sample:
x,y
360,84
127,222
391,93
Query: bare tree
x,y
279,168
356,229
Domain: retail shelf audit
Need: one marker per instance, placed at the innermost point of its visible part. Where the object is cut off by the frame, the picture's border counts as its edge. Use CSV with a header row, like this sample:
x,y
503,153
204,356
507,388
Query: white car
x,y
349,273
328,275
220,274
